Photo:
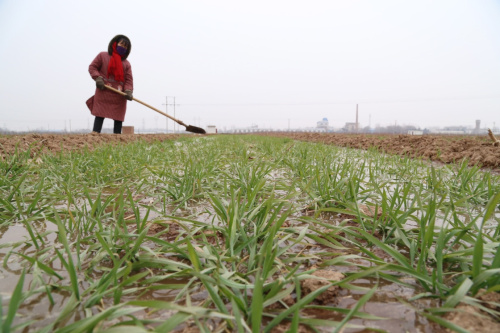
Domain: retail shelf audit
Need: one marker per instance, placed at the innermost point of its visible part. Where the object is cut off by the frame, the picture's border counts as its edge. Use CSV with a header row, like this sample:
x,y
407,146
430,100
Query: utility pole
x,y
166,107
166,111
174,117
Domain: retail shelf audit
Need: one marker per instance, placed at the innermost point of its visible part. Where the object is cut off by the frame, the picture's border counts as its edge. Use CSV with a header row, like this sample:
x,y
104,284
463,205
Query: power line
x,y
343,102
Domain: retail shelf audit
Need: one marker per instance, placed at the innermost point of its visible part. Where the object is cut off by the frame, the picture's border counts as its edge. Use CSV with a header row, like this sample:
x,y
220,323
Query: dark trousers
x,y
98,125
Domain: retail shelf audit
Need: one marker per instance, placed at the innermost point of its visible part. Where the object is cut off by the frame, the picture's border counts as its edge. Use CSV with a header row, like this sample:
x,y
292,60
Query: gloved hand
x,y
129,95
99,82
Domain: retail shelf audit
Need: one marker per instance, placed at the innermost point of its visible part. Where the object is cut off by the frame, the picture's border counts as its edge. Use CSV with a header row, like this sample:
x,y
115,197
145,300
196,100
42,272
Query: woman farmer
x,y
113,69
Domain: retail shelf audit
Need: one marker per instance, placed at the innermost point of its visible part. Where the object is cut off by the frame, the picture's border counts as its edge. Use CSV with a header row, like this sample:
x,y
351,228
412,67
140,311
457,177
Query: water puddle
x,y
390,302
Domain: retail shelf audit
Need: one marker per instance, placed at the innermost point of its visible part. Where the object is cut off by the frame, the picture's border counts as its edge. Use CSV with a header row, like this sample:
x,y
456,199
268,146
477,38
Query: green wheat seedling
x,y
134,234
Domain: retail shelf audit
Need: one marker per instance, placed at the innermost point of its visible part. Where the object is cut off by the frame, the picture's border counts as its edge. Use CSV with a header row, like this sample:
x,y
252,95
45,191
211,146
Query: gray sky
x,y
238,63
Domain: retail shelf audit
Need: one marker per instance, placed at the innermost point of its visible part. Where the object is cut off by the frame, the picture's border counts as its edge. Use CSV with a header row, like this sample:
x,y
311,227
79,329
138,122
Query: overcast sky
x,y
270,63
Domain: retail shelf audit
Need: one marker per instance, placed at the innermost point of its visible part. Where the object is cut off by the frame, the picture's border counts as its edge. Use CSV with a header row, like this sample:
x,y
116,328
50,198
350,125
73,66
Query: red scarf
x,y
115,65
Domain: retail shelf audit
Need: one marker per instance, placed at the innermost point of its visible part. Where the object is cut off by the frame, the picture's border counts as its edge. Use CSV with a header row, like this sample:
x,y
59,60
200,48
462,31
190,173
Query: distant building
x,y
478,127
350,127
323,124
211,129
415,132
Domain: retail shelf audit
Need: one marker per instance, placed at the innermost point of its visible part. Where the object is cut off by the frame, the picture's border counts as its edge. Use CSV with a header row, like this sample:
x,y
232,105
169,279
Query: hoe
x,y
189,128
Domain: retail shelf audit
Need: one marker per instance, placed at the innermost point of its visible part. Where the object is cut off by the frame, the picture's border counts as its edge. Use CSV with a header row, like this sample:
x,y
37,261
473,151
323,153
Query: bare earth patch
x,y
53,143
471,319
328,296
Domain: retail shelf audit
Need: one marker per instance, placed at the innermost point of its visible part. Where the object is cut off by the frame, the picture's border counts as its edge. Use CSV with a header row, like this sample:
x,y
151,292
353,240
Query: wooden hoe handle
x,y
145,104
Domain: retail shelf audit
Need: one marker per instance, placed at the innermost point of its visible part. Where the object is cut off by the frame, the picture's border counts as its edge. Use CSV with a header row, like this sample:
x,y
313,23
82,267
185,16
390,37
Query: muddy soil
x,y
478,150
38,144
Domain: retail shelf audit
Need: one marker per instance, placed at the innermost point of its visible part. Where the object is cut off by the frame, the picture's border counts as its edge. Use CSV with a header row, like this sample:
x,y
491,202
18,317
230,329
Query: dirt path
x,y
479,150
